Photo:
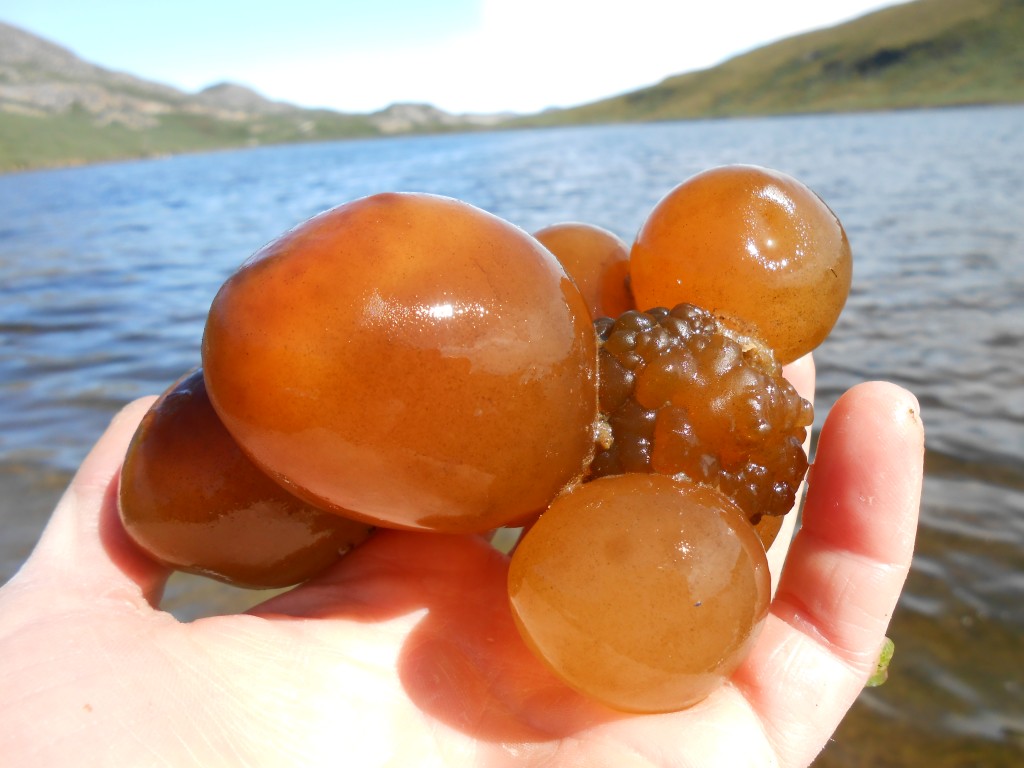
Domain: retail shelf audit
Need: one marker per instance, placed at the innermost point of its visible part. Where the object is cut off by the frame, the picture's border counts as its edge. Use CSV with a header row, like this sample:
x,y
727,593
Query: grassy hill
x,y
921,54
56,109
74,137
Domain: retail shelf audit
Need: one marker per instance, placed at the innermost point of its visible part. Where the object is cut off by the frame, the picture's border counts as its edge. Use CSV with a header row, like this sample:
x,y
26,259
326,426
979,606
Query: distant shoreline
x,y
522,124
59,111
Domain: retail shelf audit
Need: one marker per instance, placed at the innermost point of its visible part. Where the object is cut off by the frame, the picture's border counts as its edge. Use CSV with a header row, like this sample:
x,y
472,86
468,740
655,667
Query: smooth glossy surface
x,y
192,500
639,591
410,358
597,260
749,243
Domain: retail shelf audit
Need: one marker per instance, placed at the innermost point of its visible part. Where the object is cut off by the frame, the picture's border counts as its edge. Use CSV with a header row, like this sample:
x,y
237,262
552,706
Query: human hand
x,y
405,654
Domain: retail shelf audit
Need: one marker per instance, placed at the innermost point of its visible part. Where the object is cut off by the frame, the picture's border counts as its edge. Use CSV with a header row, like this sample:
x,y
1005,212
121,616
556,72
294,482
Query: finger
x,y
860,521
845,571
84,549
801,374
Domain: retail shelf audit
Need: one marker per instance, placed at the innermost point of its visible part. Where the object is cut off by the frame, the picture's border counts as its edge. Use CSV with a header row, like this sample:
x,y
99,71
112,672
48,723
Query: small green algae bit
x,y
882,670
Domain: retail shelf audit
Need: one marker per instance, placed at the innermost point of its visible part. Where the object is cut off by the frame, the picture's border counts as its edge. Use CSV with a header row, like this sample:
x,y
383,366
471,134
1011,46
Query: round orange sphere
x,y
641,591
752,245
410,359
597,260
192,500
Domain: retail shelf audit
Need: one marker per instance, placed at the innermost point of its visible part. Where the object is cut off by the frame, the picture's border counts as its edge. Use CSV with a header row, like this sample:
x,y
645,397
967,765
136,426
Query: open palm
x,y
405,653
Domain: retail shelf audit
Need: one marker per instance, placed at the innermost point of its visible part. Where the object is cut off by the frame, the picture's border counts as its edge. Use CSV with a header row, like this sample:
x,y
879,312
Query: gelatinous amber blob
x,y
767,529
191,499
640,591
683,394
410,358
597,260
750,243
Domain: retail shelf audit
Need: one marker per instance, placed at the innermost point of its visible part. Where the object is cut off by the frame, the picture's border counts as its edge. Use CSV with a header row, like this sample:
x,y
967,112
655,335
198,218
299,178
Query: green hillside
x,y
56,109
922,54
74,137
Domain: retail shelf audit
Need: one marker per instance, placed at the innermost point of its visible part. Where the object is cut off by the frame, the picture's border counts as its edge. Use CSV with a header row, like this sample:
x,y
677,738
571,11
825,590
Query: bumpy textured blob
x,y
597,260
410,358
640,591
191,499
752,244
684,395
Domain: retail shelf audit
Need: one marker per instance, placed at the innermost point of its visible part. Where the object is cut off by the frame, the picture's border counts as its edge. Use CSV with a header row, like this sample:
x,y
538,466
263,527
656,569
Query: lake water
x,y
106,273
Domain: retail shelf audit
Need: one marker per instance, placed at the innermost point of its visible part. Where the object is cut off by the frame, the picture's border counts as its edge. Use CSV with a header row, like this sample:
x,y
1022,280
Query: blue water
x,y
107,271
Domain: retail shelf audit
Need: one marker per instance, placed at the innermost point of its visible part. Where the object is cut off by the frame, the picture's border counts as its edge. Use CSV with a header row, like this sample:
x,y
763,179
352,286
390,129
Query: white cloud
x,y
527,55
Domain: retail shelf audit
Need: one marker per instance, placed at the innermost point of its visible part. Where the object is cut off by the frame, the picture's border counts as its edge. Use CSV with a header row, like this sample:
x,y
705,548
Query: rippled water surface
x,y
106,273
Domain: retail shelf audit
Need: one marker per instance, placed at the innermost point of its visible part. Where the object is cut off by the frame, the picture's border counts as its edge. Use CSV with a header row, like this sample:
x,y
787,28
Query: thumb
x,y
84,550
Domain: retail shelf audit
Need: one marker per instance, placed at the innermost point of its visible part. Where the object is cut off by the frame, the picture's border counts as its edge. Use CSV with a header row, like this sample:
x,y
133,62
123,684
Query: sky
x,y
463,56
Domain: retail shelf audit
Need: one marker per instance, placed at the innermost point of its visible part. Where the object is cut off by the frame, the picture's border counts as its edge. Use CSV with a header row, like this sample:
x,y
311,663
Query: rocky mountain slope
x,y
57,109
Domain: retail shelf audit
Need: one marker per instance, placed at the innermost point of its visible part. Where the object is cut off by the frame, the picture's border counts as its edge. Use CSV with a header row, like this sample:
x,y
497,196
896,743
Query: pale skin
x,y
404,654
